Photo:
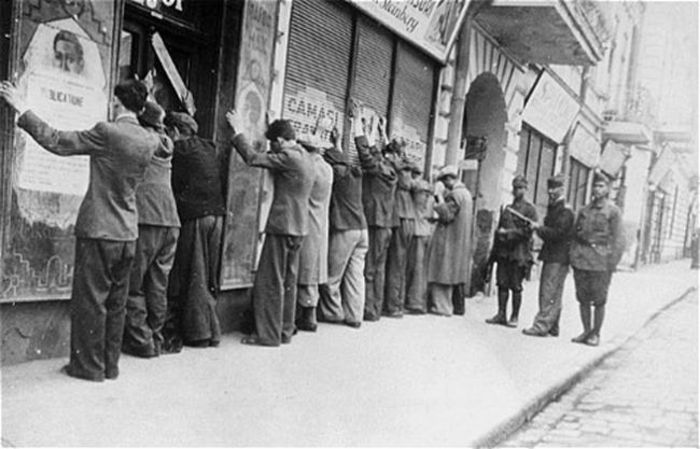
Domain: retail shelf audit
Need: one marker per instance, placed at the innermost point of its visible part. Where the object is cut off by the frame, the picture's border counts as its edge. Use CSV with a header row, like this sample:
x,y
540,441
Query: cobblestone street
x,y
643,395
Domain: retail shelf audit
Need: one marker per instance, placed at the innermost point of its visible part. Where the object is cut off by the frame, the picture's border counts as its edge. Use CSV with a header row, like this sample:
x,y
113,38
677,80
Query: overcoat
x,y
449,252
313,258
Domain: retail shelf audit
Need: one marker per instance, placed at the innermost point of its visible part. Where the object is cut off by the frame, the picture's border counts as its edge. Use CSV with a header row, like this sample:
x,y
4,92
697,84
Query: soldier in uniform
x,y
511,252
595,252
556,233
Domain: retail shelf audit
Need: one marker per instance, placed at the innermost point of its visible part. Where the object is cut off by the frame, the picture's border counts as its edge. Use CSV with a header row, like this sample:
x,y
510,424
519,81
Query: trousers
x,y
396,266
551,288
375,271
417,275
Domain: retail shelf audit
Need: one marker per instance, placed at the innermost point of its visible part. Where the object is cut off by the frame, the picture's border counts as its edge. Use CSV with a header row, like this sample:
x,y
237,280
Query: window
x,y
578,184
536,161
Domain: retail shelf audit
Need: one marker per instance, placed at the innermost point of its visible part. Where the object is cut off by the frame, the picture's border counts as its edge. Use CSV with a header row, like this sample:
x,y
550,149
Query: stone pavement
x,y
646,394
417,381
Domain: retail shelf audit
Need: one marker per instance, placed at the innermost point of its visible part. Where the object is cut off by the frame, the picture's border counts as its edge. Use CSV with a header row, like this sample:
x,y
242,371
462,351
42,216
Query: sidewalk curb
x,y
508,426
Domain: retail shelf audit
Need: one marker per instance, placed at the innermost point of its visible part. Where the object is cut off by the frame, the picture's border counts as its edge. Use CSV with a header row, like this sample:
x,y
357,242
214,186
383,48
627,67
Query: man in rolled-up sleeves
x,y
275,285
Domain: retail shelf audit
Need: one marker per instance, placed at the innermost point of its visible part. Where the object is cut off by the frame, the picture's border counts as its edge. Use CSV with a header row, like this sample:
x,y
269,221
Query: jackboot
x,y
307,319
598,317
500,317
585,312
517,300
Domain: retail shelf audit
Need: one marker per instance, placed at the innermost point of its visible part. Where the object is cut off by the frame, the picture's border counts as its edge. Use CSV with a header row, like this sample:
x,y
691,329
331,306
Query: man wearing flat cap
x,y
597,248
556,233
449,251
199,183
511,252
275,286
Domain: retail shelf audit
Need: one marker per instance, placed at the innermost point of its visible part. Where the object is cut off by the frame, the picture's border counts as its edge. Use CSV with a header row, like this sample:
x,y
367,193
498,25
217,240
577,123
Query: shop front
x,y
65,57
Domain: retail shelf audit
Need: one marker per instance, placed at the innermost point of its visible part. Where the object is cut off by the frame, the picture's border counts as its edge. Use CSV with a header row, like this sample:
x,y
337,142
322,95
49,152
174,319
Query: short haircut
x,y
280,128
132,94
69,36
181,121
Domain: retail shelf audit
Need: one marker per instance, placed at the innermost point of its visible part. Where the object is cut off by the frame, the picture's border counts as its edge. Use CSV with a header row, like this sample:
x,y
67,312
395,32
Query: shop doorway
x,y
485,117
176,57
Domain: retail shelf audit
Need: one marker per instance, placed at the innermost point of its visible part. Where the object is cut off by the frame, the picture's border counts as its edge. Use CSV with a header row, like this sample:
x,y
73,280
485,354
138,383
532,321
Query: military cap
x,y
599,176
519,181
182,120
555,181
447,170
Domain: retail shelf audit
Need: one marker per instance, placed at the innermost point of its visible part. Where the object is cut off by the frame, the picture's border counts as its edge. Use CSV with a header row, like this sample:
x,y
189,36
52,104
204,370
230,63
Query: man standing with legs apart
x,y
511,252
107,223
449,252
556,233
597,248
275,286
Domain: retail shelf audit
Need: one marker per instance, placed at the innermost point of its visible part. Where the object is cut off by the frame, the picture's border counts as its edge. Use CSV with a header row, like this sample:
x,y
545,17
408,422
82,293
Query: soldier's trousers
x,y
375,271
551,288
98,300
147,304
396,266
275,288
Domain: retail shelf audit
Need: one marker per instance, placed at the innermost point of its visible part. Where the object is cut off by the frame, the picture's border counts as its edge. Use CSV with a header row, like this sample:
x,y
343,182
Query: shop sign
x,y
65,86
303,108
432,25
584,146
550,109
613,157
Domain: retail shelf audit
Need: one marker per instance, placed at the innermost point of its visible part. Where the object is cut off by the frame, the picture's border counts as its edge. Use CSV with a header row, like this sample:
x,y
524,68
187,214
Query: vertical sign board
x,y
431,25
550,109
64,62
252,98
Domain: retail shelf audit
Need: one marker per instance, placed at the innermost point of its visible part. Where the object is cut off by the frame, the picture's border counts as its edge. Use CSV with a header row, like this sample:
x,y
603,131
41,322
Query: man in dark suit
x,y
106,227
556,233
274,288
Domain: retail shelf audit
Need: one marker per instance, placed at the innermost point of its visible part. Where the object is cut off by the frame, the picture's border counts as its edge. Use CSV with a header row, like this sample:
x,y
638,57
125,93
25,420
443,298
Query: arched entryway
x,y
485,116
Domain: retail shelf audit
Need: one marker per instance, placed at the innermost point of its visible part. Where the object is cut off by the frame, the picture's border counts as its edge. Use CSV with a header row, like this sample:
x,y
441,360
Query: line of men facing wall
x,y
345,242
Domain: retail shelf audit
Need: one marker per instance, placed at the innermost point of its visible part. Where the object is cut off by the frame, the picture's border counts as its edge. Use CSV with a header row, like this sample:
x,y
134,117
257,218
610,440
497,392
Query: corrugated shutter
x,y
412,100
318,61
374,54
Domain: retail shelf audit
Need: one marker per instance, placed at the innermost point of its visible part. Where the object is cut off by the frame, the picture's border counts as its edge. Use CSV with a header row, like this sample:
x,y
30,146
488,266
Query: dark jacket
x,y
556,233
515,243
293,175
197,180
599,239
346,211
155,201
119,154
378,185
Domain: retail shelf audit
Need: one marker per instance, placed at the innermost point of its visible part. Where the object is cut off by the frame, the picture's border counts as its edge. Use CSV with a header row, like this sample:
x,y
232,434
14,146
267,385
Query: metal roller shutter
x,y
374,55
318,62
412,100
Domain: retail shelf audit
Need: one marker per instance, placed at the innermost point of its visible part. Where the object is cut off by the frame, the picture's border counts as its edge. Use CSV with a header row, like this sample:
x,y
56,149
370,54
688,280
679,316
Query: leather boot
x,y
500,317
517,300
598,317
307,321
585,312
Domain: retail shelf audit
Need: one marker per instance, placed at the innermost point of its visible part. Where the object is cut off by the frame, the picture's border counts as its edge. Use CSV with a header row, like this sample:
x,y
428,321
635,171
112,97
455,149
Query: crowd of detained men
x,y
347,239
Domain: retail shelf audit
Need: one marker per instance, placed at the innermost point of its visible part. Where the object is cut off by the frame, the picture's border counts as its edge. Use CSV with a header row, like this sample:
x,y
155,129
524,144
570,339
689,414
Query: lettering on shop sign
x,y
155,4
550,109
305,107
432,25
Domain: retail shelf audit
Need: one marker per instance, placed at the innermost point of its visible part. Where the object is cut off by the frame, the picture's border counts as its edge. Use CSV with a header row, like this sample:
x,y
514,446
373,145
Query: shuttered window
x,y
578,184
536,160
373,65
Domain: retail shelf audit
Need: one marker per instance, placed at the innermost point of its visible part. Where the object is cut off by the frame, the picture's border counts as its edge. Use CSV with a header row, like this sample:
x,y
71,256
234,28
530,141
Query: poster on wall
x,y
432,25
62,77
304,107
245,189
415,147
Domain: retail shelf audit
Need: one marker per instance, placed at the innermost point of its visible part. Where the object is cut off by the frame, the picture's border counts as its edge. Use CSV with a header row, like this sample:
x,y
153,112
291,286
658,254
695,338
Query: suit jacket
x,y
378,185
346,212
556,233
155,201
293,178
119,154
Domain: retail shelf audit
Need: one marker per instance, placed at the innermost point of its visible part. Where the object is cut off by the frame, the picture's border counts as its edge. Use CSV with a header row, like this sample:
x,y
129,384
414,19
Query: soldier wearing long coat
x,y
448,255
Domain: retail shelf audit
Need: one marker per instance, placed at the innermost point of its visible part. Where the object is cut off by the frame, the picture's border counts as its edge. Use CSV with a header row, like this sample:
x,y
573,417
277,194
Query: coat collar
x,y
126,117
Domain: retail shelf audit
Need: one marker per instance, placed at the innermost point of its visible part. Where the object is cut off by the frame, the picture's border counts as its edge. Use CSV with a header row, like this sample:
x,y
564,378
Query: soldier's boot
x,y
500,317
598,317
517,300
307,319
585,312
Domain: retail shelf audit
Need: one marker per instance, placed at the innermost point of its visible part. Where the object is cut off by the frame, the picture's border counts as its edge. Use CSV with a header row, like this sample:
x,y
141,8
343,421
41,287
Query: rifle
x,y
520,216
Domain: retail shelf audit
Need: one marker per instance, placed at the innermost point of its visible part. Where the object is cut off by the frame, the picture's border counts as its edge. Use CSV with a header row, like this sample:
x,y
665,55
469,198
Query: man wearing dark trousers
x,y
274,288
596,250
511,252
106,227
556,234
378,191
